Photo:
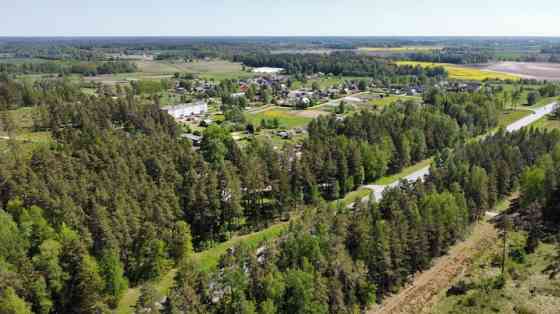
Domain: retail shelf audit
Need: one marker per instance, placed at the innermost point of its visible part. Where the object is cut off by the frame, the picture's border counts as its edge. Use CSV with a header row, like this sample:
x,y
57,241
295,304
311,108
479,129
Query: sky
x,y
279,18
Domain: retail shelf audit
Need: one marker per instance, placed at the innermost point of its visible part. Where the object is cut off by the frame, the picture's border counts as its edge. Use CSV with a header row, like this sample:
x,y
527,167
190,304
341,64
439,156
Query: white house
x,y
185,110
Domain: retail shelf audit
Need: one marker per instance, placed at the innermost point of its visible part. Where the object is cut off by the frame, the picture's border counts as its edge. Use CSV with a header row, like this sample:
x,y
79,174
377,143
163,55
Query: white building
x,y
268,70
185,110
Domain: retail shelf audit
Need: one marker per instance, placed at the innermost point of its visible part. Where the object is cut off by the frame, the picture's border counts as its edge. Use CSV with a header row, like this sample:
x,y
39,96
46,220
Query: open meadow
x,y
288,118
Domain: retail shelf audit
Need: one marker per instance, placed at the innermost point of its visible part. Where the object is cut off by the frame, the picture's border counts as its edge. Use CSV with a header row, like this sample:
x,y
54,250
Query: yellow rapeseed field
x,y
464,73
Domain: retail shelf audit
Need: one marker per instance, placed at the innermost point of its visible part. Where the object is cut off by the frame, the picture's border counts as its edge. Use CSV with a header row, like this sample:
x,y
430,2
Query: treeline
x,y
332,262
540,193
63,68
348,64
453,55
15,94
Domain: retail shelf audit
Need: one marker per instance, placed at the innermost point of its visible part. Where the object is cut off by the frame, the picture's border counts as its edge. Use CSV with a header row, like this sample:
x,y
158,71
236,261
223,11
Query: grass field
x,y
507,117
406,171
352,197
215,69
24,134
287,118
547,123
544,101
464,73
388,100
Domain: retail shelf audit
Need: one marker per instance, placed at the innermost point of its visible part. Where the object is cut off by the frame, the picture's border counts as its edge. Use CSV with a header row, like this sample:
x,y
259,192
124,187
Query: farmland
x,y
464,73
530,70
399,49
214,69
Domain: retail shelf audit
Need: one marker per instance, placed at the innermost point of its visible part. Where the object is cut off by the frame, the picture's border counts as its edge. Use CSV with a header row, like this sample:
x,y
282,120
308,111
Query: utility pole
x,y
507,228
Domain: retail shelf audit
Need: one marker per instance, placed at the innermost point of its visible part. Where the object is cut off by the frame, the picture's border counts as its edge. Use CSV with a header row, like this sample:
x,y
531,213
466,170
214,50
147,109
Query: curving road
x,y
537,114
421,173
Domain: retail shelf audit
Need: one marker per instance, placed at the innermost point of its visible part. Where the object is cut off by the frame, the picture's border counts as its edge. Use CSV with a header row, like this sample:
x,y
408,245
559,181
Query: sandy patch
x,y
311,113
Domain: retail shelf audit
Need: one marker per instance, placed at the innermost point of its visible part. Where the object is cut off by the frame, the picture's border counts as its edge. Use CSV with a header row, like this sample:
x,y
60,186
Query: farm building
x,y
184,110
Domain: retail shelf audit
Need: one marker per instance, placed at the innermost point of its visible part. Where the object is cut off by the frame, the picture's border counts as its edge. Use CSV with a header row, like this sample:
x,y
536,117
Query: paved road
x,y
379,189
537,114
421,173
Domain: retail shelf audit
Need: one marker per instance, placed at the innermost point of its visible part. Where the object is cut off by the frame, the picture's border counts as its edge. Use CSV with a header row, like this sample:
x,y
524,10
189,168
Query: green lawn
x,y
388,100
406,171
507,117
545,101
547,123
352,197
287,118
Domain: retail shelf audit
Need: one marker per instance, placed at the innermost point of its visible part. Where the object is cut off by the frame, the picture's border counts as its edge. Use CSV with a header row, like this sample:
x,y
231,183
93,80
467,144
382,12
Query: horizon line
x,y
276,36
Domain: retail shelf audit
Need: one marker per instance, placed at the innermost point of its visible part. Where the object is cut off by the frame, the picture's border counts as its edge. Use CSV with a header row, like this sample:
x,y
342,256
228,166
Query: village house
x,y
186,110
195,139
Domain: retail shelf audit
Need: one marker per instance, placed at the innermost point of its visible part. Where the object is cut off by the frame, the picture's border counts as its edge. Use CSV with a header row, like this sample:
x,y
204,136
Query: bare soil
x,y
530,70
311,113
422,293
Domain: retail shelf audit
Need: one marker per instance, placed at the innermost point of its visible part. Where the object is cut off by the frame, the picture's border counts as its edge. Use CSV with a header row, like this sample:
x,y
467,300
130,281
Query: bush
x,y
499,282
518,255
459,288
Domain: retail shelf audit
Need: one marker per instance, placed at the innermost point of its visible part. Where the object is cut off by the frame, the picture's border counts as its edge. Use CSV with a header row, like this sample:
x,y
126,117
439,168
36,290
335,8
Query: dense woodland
x,y
461,55
118,199
343,262
63,68
347,64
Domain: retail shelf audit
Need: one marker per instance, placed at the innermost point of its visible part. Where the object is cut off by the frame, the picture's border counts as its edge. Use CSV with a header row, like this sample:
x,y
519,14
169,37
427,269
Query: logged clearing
x,y
422,292
463,72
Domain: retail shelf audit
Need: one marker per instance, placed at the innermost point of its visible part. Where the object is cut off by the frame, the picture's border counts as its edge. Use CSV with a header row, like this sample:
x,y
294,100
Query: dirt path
x,y
422,293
